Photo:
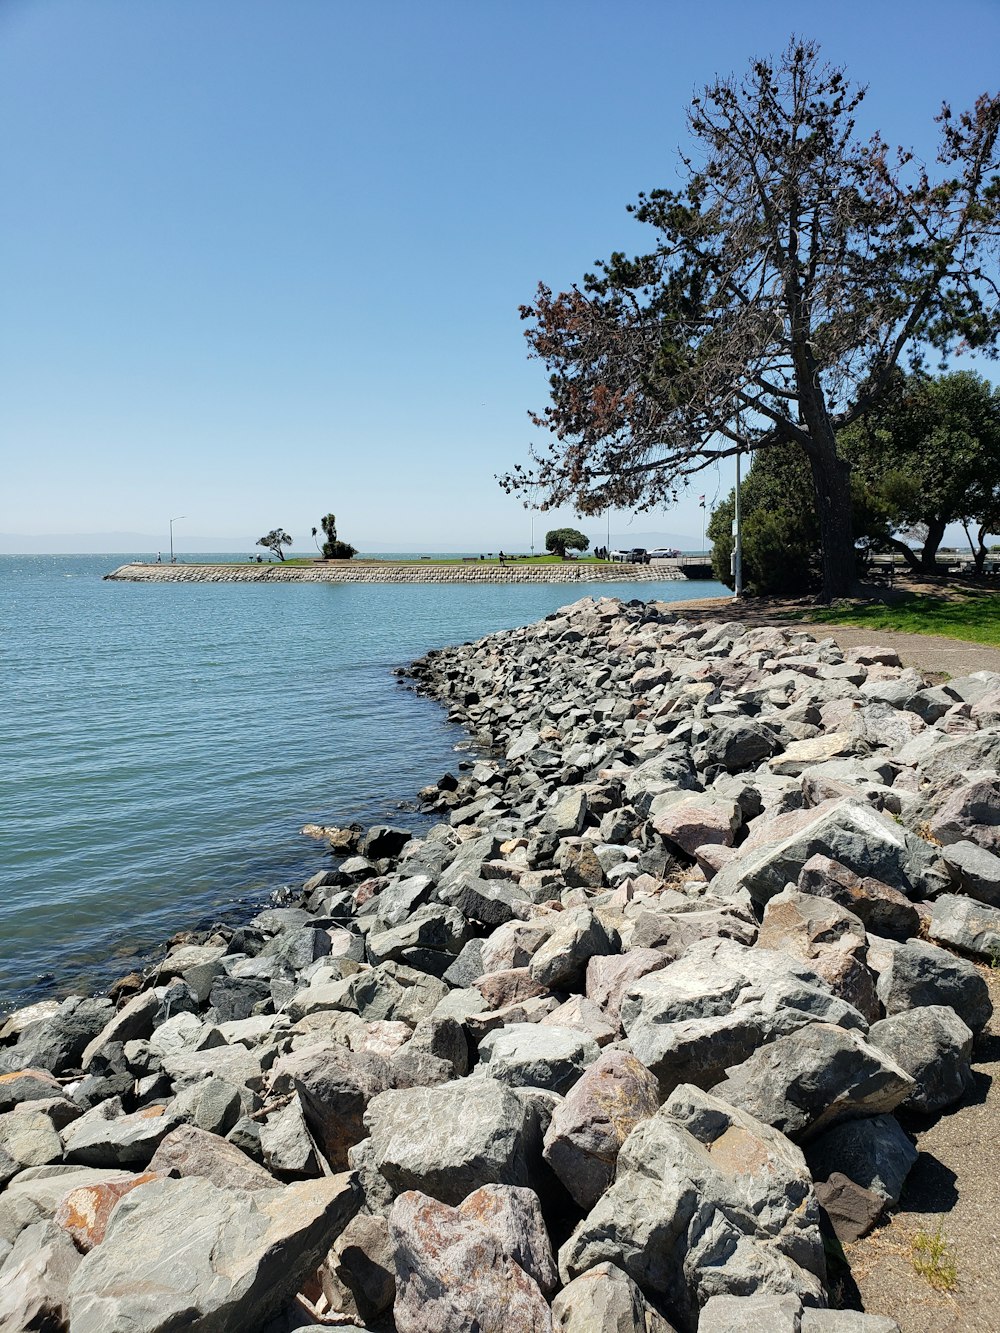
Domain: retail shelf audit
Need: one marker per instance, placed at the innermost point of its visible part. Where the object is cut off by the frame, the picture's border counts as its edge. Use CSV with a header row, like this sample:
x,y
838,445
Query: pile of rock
x,y
610,1048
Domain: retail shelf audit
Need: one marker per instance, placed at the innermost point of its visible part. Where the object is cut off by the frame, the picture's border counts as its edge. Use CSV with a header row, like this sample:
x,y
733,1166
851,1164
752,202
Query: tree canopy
x,y
275,540
333,547
561,540
789,276
929,455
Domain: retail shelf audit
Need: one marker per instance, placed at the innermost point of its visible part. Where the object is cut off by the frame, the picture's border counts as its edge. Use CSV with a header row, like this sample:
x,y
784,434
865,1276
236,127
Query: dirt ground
x,y
952,1195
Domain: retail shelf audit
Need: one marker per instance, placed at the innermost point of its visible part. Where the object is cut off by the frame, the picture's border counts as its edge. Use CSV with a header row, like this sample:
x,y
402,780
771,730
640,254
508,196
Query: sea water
x,y
162,745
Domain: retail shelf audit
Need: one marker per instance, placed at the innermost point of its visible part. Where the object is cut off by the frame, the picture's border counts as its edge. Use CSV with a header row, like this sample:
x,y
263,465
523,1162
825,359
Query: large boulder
x,y
860,838
828,937
605,1300
588,1128
185,1252
485,1264
967,925
975,870
970,813
35,1278
874,1153
334,1086
707,1201
879,907
916,973
934,1046
449,1140
712,1009
536,1055
561,962
803,1083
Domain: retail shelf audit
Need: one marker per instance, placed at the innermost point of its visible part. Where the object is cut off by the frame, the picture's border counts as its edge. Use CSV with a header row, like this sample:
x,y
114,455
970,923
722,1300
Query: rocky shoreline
x,y
628,1041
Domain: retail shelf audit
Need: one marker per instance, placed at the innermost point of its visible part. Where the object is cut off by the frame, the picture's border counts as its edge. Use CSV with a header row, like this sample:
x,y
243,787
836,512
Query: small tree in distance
x,y
561,540
333,547
275,540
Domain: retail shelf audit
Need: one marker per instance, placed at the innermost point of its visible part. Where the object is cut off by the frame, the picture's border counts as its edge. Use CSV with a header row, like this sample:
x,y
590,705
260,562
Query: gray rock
x,y
56,1043
967,925
107,1137
857,836
738,743
537,1056
878,906
915,974
28,1136
706,1202
444,929
37,1192
184,1252
605,1300
35,1279
713,1008
495,1240
561,962
804,1083
189,1151
467,966
568,815
610,975
875,1153
588,1128
846,1321
334,1086
751,1314
970,813
286,1144
976,870
363,1265
213,1105
448,1141
28,1085
934,1046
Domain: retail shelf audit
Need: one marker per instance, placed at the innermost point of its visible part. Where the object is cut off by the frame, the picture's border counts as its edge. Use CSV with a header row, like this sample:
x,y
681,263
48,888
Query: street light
x,y
172,522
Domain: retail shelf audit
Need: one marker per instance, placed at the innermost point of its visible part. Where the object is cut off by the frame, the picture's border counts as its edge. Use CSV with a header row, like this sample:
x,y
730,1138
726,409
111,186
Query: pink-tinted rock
x,y
475,1266
507,987
84,1212
189,1151
609,976
579,1012
590,1125
694,821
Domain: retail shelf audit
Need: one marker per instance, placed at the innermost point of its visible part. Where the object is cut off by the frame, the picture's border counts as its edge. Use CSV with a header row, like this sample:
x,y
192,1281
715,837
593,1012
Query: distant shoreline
x,y
382,571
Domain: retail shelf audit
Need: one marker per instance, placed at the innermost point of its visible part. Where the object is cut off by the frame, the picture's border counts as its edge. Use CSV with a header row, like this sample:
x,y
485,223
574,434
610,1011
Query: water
x,y
162,745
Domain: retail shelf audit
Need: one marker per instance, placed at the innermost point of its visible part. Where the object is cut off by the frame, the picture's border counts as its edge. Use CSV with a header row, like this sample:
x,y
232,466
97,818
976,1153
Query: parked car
x,y
664,553
638,555
618,555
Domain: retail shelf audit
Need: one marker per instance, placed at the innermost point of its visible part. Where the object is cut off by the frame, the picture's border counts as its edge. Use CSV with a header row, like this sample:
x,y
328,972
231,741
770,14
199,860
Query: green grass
x,y
975,617
934,1259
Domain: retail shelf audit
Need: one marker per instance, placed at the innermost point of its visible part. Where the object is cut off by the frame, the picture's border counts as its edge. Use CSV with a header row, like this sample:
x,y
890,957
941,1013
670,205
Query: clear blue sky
x,y
260,259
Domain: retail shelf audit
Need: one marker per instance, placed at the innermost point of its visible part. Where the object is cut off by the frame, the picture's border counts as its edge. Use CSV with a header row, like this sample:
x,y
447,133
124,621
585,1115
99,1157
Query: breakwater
x,y
379,571
687,946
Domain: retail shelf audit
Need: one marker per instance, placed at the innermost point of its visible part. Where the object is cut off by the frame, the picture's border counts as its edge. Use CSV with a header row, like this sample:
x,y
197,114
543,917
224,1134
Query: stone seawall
x,y
377,571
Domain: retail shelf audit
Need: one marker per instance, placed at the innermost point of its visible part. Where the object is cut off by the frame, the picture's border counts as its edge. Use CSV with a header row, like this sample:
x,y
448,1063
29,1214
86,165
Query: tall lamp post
x,y
172,522
738,536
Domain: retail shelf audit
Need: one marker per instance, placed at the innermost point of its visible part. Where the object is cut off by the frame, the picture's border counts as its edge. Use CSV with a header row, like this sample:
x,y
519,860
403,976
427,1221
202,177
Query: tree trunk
x,y
832,484
935,535
907,552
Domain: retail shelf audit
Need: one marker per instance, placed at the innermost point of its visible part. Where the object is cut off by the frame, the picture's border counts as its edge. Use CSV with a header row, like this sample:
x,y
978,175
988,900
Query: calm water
x,y
162,745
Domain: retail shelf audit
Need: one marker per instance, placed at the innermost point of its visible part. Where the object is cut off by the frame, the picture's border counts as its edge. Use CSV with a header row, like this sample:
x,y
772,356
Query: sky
x,y
260,261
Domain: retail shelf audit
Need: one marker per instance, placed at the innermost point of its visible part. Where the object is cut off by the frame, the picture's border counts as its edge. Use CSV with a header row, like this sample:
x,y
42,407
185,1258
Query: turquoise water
x,y
162,745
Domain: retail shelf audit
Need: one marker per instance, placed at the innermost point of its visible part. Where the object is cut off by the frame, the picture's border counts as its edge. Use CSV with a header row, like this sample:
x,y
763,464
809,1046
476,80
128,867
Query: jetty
x,y
417,571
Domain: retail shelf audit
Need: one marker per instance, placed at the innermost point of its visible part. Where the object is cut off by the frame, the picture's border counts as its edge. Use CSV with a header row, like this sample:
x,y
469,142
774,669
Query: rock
x,y
568,815
85,1211
213,1105
35,1279
976,870
496,1240
56,1043
803,1083
448,1141
507,986
334,1086
605,1300
184,1251
37,1192
188,1151
27,1085
490,901
915,973
581,867
800,755
561,962
695,820
934,1046
383,843
443,929
362,1260
970,813
588,1128
830,938
580,1013
851,1209
967,925
107,1137
437,1051
738,743
857,836
286,1144
879,907
846,1321
874,1153
707,1201
28,1136
751,1314
713,1008
610,975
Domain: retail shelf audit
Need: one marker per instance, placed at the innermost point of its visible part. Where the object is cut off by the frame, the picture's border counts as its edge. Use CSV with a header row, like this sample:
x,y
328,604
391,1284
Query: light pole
x,y
738,543
532,534
172,522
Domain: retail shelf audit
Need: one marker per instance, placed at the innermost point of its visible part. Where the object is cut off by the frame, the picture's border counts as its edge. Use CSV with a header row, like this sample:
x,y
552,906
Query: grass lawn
x,y
974,616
